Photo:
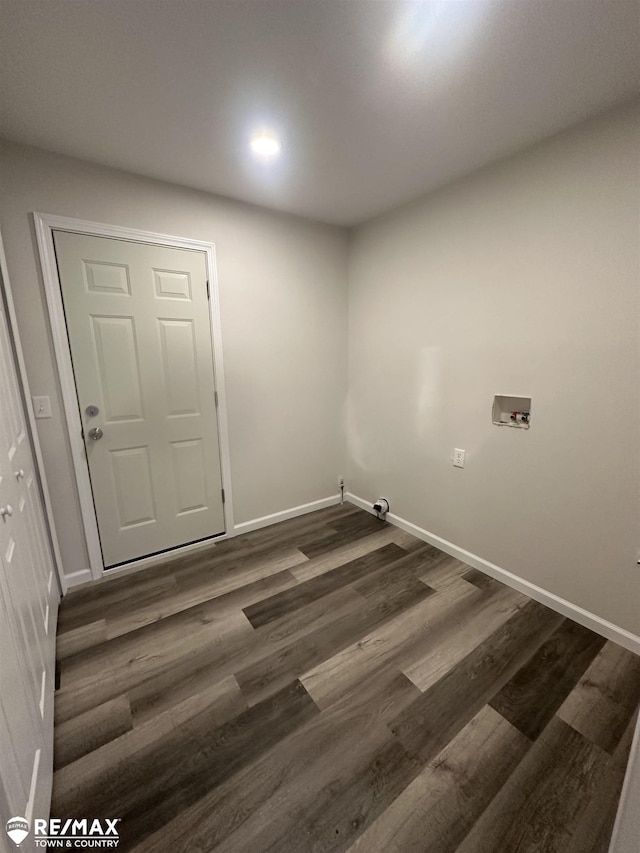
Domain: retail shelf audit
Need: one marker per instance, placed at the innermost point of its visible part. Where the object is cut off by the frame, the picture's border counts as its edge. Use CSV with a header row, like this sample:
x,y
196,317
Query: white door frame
x,y
45,224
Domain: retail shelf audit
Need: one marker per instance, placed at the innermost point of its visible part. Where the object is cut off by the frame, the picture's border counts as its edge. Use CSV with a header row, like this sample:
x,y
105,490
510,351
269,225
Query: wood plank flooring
x,y
333,684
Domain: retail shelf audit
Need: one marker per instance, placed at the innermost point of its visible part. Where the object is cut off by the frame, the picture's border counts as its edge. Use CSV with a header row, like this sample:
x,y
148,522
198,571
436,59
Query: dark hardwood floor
x,y
332,683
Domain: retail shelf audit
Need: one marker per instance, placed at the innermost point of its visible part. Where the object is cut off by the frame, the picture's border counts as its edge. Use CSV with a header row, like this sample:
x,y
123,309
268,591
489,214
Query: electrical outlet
x,y
458,457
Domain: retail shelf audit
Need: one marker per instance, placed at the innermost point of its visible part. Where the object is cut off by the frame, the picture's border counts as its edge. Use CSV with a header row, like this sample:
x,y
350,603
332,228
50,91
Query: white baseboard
x,y
566,608
274,518
76,578
84,576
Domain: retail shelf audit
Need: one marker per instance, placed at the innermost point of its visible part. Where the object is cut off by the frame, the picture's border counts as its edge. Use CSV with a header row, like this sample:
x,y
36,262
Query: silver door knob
x,y
95,433
6,511
20,474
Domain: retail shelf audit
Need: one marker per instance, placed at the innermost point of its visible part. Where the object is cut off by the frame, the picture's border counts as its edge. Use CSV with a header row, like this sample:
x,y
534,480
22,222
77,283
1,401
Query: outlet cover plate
x,y
458,458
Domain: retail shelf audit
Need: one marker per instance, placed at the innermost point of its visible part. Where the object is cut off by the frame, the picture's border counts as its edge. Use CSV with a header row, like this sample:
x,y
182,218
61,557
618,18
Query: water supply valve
x,y
381,507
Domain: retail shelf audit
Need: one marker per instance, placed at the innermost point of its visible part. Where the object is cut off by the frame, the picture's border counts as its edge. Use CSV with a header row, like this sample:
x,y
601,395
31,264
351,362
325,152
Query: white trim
x,y
244,527
45,224
84,576
625,837
275,517
44,227
28,409
79,577
218,378
566,608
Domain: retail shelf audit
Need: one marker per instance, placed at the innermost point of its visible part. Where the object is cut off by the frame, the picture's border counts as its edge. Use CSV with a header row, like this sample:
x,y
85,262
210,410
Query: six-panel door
x,y
139,331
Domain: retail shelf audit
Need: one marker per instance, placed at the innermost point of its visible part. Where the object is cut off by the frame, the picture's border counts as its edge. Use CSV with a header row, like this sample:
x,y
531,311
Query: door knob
x,y
95,433
6,511
20,474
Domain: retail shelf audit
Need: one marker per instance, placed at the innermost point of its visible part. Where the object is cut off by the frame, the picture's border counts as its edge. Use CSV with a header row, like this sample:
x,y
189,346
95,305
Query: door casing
x,y
45,224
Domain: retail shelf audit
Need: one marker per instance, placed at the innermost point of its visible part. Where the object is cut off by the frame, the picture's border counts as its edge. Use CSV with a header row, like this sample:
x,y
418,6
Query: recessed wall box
x,y
511,411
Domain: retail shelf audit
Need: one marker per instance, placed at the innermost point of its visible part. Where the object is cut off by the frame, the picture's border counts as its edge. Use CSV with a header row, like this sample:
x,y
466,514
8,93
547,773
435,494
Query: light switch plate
x,y
41,407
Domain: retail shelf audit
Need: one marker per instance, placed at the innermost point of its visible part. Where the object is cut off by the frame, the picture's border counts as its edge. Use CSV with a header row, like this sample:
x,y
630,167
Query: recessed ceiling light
x,y
265,145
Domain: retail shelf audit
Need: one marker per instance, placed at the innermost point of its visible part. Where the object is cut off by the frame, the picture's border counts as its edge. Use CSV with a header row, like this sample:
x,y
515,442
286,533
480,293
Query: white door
x,y
140,336
28,607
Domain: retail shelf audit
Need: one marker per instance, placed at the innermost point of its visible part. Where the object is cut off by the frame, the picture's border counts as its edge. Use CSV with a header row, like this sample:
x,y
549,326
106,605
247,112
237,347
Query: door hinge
x,y
208,290
215,398
223,498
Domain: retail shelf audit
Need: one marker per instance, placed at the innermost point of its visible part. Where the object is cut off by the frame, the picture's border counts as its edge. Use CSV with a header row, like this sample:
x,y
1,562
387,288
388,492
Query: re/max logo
x,y
57,828
76,833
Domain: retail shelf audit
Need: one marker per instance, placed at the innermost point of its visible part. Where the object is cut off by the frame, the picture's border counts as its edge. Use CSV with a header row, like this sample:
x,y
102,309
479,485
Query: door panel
x,y
28,595
139,331
118,364
14,431
16,729
107,278
133,489
188,470
179,361
172,284
28,602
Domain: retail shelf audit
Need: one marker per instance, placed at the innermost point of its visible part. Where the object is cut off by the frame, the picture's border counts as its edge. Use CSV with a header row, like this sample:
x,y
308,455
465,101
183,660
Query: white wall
x,y
521,279
283,303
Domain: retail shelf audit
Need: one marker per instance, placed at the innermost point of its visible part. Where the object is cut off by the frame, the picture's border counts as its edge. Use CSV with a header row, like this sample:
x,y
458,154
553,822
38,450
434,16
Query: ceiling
x,y
376,101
